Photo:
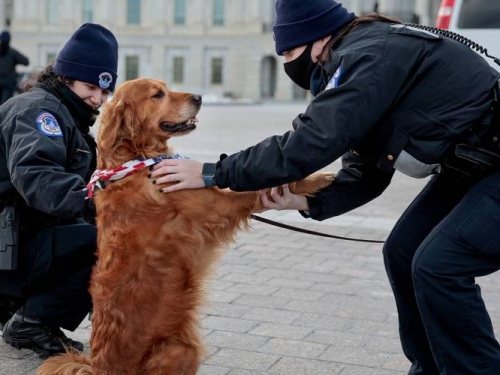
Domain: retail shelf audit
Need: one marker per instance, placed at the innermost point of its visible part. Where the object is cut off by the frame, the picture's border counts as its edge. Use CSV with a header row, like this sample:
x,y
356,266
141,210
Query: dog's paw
x,y
313,183
320,180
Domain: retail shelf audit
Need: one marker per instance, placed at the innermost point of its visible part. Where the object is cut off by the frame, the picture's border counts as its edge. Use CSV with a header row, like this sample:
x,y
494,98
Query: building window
x,y
180,12
131,67
217,65
88,8
49,57
47,53
51,12
218,12
178,69
133,12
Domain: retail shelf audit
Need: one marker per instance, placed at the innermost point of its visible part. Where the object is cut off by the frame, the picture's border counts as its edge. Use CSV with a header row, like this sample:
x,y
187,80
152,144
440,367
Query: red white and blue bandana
x,y
124,170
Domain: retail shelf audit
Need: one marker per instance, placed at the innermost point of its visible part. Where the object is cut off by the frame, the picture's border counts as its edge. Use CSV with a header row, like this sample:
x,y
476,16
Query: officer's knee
x,y
396,256
423,269
389,251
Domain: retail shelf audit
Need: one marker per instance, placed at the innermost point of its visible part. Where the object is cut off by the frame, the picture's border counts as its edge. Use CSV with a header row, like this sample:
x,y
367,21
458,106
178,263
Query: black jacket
x,y
44,160
8,64
43,156
389,89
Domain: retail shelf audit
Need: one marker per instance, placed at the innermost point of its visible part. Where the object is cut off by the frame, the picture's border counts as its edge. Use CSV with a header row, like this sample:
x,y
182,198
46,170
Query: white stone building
x,y
220,47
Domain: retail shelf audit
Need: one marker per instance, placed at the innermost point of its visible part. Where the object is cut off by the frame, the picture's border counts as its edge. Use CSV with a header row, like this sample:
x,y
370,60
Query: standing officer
x,y
390,97
46,157
9,58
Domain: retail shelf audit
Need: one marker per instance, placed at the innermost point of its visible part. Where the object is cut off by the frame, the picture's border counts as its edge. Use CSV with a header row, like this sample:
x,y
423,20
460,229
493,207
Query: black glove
x,y
89,212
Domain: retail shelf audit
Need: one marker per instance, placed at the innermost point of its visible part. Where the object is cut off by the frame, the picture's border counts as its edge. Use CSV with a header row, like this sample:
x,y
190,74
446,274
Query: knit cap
x,y
90,55
5,36
300,22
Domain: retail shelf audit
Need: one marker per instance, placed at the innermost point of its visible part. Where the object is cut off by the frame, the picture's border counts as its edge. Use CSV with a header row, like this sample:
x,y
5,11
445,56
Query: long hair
x,y
370,17
45,76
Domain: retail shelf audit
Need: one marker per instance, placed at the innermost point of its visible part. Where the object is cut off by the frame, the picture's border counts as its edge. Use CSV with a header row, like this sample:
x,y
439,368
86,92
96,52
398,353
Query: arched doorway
x,y
268,77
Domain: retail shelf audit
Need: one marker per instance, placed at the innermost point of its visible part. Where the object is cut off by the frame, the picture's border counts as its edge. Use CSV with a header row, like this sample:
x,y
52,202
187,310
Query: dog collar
x,y
100,176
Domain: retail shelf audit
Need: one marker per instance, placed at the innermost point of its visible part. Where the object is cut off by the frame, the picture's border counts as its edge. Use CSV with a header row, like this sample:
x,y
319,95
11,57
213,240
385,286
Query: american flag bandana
x,y
122,171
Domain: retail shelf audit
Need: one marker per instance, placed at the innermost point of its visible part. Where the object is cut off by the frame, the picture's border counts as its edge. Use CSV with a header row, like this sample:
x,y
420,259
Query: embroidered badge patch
x,y
105,80
48,125
334,81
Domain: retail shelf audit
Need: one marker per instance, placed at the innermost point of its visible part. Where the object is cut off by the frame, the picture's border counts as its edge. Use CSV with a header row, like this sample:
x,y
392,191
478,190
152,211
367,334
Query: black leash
x,y
301,230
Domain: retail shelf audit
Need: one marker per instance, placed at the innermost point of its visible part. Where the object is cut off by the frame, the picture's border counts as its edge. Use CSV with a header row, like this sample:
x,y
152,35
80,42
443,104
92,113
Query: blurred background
x,y
222,49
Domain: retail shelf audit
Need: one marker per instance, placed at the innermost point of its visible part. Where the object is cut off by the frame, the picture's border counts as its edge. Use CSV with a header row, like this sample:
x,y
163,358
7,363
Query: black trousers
x,y
60,261
447,237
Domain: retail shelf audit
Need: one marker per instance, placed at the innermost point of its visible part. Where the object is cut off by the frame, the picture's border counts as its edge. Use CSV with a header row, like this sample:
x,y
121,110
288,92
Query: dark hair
x,y
370,17
45,76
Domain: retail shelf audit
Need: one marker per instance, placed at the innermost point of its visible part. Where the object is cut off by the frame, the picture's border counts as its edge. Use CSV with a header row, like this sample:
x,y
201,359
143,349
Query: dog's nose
x,y
196,99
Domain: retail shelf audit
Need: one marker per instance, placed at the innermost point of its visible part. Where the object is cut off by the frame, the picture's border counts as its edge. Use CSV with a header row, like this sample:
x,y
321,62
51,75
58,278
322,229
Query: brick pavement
x,y
285,303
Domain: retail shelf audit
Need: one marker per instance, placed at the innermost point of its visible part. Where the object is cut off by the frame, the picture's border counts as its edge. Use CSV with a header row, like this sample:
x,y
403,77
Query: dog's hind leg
x,y
178,359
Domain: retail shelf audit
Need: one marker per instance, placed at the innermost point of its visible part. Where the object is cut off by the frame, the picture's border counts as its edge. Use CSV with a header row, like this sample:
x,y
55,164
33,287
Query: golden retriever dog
x,y
155,251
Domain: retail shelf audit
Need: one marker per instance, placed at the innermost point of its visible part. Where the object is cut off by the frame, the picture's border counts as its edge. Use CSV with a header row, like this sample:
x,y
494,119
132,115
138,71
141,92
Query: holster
x,y
472,161
483,158
9,231
491,139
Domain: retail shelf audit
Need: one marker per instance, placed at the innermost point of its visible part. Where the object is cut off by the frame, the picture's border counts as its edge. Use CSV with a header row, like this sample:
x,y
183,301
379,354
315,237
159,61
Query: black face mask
x,y
300,69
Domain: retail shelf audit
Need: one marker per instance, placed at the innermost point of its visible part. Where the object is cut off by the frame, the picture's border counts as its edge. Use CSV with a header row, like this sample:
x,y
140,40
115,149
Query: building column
x,y
422,9
403,10
2,14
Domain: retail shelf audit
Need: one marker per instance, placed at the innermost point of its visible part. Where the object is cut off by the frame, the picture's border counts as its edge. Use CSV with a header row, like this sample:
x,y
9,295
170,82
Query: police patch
x,y
105,80
334,81
48,125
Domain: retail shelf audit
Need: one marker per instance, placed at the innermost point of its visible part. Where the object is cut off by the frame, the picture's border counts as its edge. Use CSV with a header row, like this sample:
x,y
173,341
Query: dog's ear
x,y
116,121
118,124
109,127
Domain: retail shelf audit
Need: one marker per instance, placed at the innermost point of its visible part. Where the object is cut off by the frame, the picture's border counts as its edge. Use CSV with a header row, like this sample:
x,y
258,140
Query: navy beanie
x,y
300,22
90,55
5,37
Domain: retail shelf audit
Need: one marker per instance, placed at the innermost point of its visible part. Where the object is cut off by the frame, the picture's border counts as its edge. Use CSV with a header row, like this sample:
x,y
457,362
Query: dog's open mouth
x,y
173,127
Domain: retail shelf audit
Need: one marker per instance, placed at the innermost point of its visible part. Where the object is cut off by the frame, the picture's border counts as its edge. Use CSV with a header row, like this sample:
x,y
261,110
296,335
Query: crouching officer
x,y
46,158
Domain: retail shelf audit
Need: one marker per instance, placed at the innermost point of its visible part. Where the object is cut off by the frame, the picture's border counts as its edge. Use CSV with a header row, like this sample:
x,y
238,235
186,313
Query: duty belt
x,y
484,158
472,161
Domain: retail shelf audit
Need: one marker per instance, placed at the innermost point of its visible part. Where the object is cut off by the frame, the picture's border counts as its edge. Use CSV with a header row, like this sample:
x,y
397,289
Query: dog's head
x,y
140,118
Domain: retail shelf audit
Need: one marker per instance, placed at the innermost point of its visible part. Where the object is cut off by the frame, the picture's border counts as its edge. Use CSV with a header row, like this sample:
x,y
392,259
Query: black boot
x,y
22,332
8,307
70,343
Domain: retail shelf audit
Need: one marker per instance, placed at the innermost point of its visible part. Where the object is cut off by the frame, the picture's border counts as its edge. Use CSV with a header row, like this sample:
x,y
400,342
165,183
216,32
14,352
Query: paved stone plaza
x,y
285,303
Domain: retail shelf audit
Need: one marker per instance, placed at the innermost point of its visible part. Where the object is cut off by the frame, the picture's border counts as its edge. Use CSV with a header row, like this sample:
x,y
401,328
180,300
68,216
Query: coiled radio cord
x,y
459,38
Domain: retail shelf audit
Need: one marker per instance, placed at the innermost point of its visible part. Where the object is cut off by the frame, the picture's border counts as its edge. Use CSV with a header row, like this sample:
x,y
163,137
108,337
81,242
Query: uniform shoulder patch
x,y
334,81
48,125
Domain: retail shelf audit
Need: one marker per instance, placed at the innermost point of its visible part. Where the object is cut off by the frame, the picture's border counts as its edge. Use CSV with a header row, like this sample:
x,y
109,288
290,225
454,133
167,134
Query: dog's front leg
x,y
308,186
311,184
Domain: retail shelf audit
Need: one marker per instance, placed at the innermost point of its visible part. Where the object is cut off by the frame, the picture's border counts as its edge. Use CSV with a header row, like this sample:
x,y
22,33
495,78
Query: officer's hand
x,y
186,174
280,198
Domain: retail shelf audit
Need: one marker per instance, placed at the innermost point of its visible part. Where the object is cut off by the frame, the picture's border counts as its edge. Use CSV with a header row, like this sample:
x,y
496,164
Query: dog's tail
x,y
70,363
